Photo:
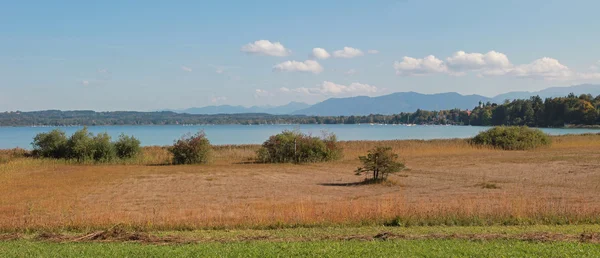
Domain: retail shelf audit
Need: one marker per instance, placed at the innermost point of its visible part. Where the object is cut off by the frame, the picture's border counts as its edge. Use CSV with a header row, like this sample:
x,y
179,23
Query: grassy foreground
x,y
376,241
396,248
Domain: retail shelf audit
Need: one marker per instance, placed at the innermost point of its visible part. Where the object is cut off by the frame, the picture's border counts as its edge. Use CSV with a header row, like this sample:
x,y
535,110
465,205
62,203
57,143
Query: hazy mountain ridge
x,y
552,92
229,109
411,101
392,103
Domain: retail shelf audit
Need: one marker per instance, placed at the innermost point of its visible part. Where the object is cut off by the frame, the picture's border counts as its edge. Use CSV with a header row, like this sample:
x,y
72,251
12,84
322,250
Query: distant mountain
x,y
411,101
392,104
228,109
593,89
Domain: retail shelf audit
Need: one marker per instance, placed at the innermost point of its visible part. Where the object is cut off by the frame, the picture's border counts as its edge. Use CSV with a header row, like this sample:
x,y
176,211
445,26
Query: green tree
x,y
103,149
380,161
81,145
50,145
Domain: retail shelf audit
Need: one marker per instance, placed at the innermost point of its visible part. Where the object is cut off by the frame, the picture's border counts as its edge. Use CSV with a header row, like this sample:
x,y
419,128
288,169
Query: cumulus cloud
x,y
186,69
373,51
462,61
333,89
491,63
296,66
420,66
589,76
347,52
543,68
85,83
267,48
320,53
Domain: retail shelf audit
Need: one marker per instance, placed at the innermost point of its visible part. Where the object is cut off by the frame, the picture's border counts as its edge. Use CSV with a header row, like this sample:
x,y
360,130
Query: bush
x,y
103,149
191,149
80,145
127,147
381,161
84,146
293,146
50,145
513,138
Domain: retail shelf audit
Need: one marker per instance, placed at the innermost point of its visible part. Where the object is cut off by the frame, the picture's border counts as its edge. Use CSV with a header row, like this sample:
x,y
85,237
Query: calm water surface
x,y
11,137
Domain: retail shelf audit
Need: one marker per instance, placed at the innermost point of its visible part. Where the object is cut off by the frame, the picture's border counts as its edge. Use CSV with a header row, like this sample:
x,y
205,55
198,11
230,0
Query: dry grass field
x,y
448,182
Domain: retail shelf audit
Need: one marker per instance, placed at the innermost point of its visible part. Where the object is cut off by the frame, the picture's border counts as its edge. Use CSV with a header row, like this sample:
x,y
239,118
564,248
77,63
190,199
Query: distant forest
x,y
583,110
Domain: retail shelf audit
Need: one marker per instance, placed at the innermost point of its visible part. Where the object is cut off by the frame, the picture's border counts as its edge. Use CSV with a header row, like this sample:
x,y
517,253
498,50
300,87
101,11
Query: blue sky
x,y
149,55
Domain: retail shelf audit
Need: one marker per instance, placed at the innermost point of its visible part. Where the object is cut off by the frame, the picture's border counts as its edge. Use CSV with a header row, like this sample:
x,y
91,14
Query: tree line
x,y
551,112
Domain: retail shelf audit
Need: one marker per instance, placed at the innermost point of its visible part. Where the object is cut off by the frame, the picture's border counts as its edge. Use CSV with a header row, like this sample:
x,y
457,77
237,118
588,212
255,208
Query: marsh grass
x,y
146,193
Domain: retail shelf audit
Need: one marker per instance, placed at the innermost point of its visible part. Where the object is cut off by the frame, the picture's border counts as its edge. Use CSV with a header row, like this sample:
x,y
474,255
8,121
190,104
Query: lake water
x,y
11,137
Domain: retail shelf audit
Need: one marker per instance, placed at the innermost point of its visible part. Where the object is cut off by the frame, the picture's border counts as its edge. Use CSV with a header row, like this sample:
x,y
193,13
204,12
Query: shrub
x,y
381,161
513,138
127,147
84,146
296,147
103,149
50,145
191,149
80,145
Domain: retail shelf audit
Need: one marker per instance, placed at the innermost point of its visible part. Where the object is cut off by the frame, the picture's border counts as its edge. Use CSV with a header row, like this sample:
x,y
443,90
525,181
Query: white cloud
x,y
491,63
85,83
320,53
215,99
414,66
462,61
296,66
373,51
185,68
104,70
332,89
589,76
265,47
351,72
543,68
347,52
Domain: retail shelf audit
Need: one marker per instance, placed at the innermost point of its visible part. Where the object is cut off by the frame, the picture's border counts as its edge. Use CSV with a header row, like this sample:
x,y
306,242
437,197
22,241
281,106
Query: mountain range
x,y
393,103
228,109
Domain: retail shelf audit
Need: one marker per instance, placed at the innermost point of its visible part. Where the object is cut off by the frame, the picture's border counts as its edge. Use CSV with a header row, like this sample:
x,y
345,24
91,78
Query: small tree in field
x,y
381,161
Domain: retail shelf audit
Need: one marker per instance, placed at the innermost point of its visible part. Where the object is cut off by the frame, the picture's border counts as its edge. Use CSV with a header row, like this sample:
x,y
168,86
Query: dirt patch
x,y
120,234
534,237
8,237
114,234
589,238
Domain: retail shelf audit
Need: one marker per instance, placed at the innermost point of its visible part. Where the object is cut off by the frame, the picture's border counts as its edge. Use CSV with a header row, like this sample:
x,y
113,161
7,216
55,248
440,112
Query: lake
x,y
11,137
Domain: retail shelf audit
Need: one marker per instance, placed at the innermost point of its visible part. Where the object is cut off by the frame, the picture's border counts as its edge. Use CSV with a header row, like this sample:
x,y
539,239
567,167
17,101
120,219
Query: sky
x,y
154,55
